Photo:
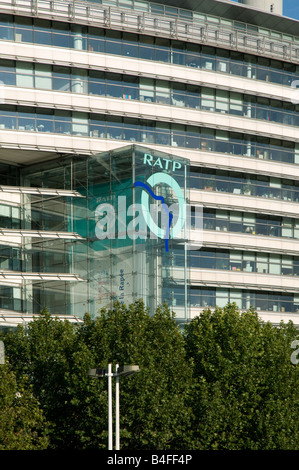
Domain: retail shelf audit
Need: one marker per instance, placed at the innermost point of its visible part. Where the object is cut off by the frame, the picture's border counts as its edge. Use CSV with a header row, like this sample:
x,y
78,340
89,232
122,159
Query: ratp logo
x,y
152,216
160,232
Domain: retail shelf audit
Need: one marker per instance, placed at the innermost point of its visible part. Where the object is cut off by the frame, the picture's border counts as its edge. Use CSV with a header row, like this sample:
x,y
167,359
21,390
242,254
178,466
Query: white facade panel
x,y
241,280
154,111
250,242
244,203
164,71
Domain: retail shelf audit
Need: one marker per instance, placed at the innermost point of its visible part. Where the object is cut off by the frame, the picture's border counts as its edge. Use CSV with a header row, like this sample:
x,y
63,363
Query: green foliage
x,y
226,382
22,425
246,389
154,408
56,364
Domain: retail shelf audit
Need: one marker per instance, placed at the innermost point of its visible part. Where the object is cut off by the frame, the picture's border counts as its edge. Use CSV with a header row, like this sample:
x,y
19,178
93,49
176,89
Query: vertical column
x,y
116,408
26,253
110,432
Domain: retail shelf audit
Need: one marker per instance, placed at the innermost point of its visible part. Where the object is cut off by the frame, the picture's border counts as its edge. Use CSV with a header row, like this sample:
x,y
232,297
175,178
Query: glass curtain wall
x,y
129,87
244,299
83,124
210,179
120,254
58,34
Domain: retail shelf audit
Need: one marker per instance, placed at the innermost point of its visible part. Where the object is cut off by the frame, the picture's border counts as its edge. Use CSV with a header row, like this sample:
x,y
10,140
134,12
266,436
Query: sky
x,y
290,8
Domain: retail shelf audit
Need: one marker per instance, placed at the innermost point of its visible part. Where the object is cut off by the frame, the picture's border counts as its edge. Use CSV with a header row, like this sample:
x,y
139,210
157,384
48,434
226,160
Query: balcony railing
x,y
151,24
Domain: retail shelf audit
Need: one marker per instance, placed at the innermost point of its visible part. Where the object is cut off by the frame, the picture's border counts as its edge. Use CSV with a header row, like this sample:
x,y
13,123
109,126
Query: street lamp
x,y
120,371
2,353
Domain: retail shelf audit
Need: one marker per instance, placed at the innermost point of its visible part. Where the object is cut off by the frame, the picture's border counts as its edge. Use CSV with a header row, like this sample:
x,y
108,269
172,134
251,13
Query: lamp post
x,y
116,408
120,371
110,418
2,353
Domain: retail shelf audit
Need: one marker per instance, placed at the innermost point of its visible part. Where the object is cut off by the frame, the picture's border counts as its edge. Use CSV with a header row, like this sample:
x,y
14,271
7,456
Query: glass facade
x,y
119,256
250,223
228,181
240,261
119,225
93,39
146,131
245,299
162,92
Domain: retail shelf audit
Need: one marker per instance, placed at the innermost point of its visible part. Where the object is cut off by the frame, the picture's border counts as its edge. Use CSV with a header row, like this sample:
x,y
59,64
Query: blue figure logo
x,y
165,207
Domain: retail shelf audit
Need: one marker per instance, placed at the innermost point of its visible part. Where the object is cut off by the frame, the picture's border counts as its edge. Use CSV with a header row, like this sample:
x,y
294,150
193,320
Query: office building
x,y
109,104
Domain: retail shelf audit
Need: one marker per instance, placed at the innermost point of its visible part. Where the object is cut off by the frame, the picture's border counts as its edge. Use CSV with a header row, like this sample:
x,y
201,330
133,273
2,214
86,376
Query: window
x,y
43,76
6,27
61,34
162,92
42,32
147,89
114,127
24,74
79,37
163,133
96,41
7,72
8,117
26,119
98,126
114,85
44,121
113,42
222,297
80,123
61,78
207,99
79,81
162,50
236,103
222,101
63,122
130,45
97,84
23,30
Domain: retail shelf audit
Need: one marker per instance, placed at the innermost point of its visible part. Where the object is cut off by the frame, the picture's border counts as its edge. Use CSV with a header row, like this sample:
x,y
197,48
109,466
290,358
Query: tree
x,y
22,424
227,382
56,364
246,389
56,357
154,409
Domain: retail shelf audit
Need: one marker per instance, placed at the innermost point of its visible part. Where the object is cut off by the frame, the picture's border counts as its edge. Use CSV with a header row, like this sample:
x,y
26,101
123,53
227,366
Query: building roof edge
x,y
239,12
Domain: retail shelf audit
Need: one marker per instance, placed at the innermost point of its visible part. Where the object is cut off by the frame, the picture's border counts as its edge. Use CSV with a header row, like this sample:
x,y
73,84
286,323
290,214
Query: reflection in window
x,y
244,299
42,32
24,74
61,78
43,76
151,131
80,123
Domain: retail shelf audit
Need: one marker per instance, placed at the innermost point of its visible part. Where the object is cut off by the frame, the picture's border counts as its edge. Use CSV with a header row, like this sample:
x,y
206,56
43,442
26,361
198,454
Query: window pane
x,y
7,72
43,76
80,123
61,78
24,74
